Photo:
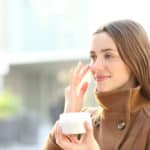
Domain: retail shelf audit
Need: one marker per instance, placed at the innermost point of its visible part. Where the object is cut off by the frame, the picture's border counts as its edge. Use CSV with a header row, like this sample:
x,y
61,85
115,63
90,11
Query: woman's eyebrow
x,y
106,49
92,52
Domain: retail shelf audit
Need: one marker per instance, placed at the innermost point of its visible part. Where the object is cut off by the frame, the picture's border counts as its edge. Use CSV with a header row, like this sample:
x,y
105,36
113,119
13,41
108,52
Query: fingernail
x,y
89,66
89,124
57,141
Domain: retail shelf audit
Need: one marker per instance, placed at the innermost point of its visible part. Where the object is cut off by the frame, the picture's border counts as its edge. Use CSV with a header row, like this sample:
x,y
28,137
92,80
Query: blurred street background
x,y
40,41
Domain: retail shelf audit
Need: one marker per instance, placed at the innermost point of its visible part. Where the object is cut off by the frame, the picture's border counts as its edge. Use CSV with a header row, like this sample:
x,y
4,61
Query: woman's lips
x,y
101,78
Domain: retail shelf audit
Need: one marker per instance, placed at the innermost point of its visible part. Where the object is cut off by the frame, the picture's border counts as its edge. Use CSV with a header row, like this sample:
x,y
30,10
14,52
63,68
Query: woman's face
x,y
108,69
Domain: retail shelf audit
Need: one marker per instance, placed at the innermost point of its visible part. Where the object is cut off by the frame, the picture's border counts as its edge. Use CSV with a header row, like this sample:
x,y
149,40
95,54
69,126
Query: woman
x,y
120,65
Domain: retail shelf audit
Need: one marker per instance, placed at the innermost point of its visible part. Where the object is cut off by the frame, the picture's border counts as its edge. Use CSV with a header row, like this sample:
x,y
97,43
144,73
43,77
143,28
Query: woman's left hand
x,y
87,142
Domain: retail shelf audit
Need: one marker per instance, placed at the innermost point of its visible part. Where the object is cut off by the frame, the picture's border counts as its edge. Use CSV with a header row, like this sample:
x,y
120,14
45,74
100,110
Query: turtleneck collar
x,y
121,102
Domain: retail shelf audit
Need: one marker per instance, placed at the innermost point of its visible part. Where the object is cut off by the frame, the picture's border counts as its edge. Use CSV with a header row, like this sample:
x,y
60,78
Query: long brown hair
x,y
134,48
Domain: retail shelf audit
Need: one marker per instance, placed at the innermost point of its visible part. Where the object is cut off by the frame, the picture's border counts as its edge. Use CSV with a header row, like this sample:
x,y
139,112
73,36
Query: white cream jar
x,y
73,123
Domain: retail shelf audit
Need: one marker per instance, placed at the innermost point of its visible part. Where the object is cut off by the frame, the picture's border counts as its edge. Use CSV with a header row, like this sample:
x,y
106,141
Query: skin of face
x,y
108,69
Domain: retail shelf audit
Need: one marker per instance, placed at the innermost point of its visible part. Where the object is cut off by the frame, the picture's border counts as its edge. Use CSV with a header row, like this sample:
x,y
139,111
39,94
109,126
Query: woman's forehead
x,y
102,41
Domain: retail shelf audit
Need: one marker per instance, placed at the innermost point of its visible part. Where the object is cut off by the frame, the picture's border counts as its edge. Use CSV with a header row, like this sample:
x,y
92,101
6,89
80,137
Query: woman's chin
x,y
102,89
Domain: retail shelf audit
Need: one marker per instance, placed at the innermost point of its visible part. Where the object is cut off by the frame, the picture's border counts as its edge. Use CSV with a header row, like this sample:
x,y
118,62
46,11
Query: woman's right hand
x,y
74,93
86,142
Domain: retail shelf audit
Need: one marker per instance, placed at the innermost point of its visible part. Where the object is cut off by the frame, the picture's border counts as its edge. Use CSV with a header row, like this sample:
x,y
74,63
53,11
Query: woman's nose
x,y
97,65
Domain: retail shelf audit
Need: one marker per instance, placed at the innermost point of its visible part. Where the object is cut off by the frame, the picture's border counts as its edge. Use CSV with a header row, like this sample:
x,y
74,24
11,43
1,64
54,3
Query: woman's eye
x,y
93,57
107,56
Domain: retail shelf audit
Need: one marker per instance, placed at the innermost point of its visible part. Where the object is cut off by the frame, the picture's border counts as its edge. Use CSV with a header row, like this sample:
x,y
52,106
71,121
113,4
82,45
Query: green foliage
x,y
9,105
